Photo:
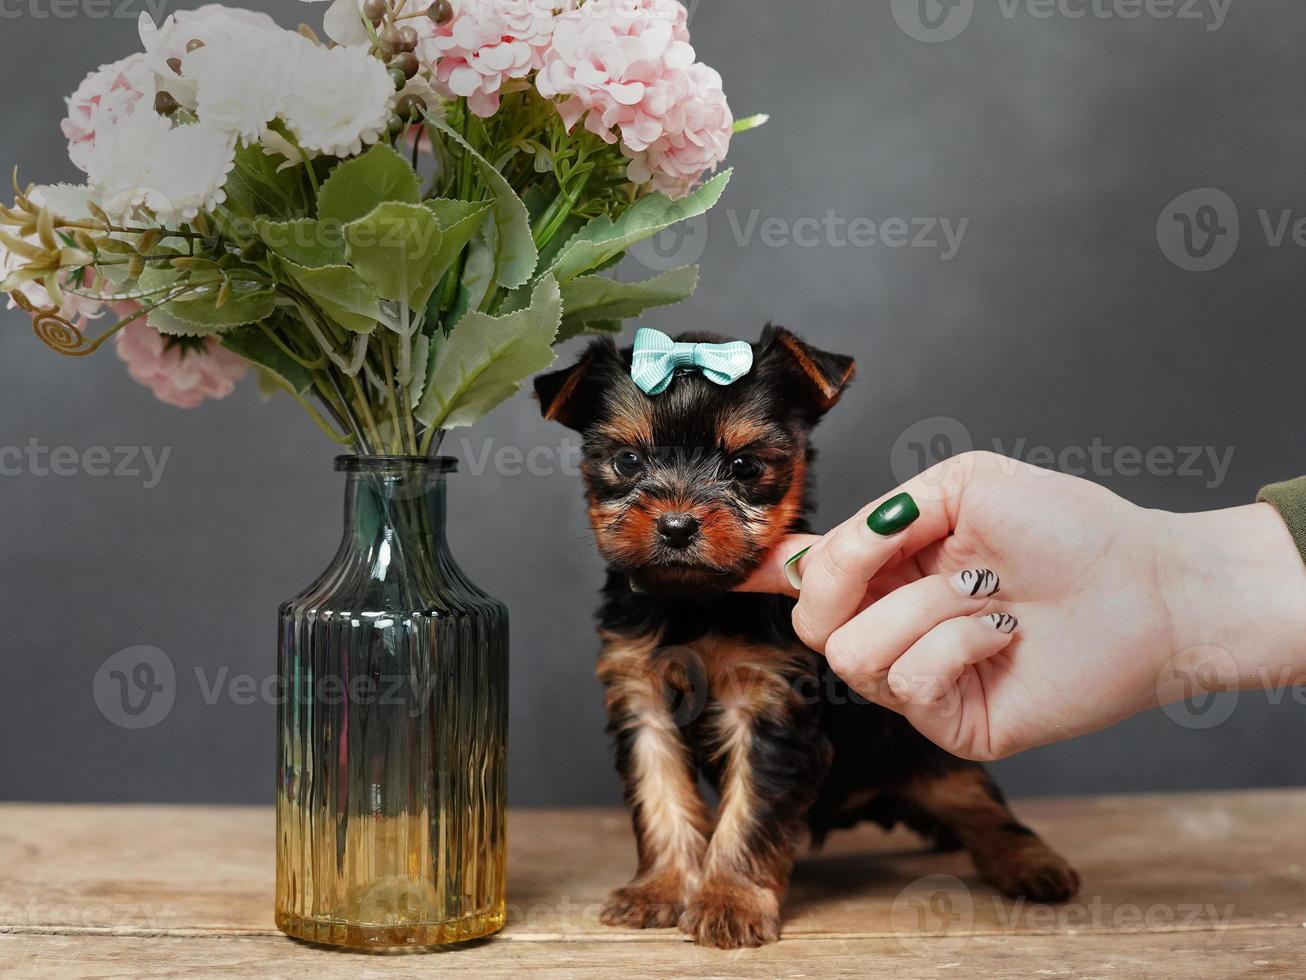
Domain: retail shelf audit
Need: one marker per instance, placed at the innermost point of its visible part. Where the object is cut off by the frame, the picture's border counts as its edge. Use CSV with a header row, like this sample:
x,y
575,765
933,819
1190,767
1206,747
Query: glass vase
x,y
392,729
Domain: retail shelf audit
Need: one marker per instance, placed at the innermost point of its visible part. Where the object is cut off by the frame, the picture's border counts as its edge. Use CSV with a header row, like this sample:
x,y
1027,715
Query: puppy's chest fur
x,y
733,653
708,681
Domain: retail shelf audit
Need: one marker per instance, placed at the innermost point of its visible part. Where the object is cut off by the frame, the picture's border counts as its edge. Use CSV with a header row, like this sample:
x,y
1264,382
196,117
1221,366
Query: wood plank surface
x,y
1185,885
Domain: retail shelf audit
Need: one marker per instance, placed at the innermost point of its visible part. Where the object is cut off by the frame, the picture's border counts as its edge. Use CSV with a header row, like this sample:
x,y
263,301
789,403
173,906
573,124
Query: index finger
x,y
835,576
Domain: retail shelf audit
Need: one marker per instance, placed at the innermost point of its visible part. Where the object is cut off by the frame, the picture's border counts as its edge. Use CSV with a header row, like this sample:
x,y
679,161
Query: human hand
x,y
1116,608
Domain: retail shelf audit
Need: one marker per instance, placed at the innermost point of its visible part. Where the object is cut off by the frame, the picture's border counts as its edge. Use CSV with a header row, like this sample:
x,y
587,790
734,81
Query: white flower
x,y
343,22
341,99
176,172
71,201
242,74
167,42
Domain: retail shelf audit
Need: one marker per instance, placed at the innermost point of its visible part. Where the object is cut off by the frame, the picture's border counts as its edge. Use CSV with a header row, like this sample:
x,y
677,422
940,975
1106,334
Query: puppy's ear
x,y
822,376
571,396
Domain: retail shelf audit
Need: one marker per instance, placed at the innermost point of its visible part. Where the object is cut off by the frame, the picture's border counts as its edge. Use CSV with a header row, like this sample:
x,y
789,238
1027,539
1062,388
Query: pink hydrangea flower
x,y
485,44
105,96
627,69
178,375
695,138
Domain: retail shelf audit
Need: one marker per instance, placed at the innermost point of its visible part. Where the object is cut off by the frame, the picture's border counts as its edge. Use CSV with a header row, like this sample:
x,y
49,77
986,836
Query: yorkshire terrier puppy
x,y
688,490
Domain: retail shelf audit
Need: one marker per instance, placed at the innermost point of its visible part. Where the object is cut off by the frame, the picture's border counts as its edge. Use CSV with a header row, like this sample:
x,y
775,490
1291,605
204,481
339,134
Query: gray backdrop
x,y
1062,322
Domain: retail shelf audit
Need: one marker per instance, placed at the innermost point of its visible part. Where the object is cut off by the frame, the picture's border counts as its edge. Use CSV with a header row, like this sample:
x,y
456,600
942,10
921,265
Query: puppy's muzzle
x,y
677,530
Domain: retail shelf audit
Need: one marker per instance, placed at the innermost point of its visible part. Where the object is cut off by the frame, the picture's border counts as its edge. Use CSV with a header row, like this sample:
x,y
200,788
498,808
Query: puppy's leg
x,y
1007,854
773,758
670,819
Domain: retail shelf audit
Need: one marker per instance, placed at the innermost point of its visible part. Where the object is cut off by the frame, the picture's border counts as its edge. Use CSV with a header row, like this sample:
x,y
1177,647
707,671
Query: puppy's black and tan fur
x,y
688,490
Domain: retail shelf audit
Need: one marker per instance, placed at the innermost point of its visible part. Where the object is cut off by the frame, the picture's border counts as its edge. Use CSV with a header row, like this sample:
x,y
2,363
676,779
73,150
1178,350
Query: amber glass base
x,y
383,939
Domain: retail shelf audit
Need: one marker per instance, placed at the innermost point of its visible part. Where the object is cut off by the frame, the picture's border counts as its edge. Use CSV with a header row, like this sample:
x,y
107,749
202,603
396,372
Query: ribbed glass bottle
x,y
392,729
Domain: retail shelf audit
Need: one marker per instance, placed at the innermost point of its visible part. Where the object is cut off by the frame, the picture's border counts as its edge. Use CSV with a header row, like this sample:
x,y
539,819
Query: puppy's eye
x,y
628,464
745,468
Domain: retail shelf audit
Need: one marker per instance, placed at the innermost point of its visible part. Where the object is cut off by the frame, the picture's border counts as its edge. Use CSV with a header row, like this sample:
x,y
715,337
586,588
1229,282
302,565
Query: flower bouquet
x,y
393,226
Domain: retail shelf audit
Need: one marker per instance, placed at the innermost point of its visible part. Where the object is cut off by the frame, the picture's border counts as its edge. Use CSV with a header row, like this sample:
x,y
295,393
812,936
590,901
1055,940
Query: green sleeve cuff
x,y
1290,500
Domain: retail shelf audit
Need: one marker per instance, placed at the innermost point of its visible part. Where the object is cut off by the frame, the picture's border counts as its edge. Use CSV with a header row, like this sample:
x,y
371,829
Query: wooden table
x,y
1174,886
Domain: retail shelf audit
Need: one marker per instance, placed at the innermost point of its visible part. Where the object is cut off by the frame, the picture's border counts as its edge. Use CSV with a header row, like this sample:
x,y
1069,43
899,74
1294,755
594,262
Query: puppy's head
x,y
689,489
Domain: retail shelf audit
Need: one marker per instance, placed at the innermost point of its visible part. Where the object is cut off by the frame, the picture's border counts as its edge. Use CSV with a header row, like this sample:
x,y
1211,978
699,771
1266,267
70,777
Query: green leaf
x,y
306,242
394,249
254,345
357,187
255,188
478,276
751,122
340,293
551,249
450,212
592,299
198,315
603,239
170,326
155,277
486,359
421,363
404,250
514,247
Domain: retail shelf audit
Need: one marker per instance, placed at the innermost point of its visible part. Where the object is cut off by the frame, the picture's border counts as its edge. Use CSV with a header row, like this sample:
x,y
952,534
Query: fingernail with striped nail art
x,y
792,575
1002,622
979,583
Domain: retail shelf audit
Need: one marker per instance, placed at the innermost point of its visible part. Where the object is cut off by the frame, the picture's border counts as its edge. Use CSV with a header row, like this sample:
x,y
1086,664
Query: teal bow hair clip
x,y
657,358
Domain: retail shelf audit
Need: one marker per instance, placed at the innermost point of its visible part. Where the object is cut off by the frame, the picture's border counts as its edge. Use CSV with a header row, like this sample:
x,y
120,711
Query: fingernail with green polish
x,y
791,569
893,515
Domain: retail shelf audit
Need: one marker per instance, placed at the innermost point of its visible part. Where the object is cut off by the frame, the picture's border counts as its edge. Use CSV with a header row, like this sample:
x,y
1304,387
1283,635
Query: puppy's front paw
x,y
1032,871
644,904
731,915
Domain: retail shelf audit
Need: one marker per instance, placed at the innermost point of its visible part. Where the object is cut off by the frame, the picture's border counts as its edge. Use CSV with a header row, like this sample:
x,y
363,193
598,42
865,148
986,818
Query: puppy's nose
x,y
677,530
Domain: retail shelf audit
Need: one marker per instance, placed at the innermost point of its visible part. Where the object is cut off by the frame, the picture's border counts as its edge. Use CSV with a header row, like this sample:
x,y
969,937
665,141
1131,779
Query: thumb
x,y
770,575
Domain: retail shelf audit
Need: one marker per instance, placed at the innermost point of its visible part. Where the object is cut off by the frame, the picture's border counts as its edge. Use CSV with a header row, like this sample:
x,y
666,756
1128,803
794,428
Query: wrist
x,y
1234,586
